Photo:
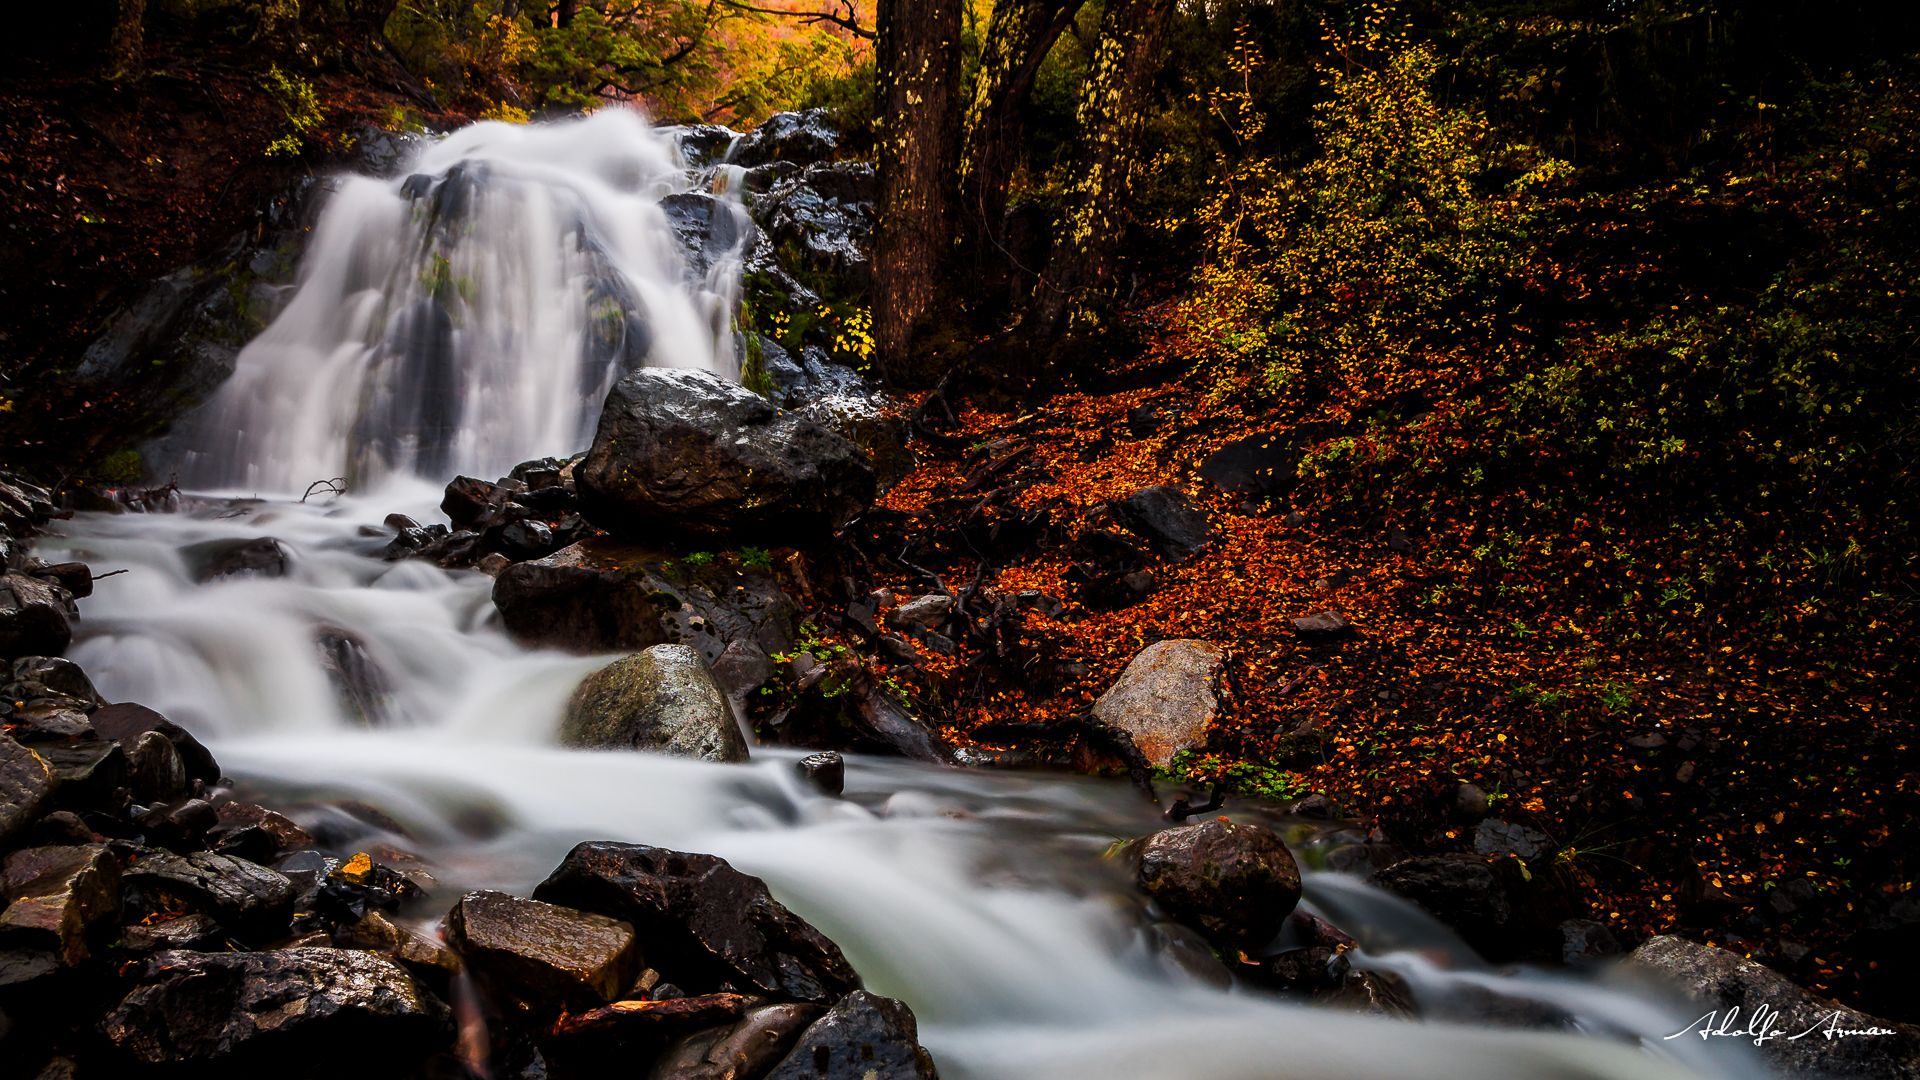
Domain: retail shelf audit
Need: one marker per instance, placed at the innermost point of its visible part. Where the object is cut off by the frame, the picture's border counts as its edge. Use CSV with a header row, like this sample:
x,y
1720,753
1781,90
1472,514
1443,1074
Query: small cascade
x,y
471,312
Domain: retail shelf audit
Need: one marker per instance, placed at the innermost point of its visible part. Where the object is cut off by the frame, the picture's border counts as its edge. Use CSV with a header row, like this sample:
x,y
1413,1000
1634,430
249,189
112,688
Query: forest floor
x,y
1705,781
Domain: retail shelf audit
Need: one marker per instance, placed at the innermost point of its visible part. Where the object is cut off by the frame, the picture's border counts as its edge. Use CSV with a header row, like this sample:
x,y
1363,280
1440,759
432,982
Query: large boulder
x,y
662,699
684,451
1166,699
863,1037
1234,883
542,956
820,225
703,923
1740,994
291,1012
33,617
125,723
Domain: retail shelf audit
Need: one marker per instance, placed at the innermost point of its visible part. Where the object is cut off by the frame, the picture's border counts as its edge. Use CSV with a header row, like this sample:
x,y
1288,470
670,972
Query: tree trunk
x,y
1017,40
565,13
918,55
1110,116
128,50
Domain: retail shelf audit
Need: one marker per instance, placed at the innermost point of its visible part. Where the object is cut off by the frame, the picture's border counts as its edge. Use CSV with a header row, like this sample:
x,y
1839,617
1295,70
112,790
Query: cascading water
x,y
470,314
450,323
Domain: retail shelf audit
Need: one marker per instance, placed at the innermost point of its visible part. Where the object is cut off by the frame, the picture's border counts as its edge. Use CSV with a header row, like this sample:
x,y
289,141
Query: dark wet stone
x,y
242,895
683,450
799,137
471,504
662,699
58,896
292,1012
33,617
214,560
826,770
862,1037
703,923
543,956
1234,883
125,722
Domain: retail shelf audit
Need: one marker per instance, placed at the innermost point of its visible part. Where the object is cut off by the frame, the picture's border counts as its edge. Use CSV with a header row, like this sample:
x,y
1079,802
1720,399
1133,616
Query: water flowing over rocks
x,y
1166,698
662,699
683,451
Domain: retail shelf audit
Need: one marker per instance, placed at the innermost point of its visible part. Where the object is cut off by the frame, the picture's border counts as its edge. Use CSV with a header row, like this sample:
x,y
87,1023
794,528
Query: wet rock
x,y
826,771
60,829
186,932
472,504
245,896
863,1037
542,956
420,954
706,227
1234,883
1463,891
703,923
35,677
1167,519
291,1012
702,144
1324,626
247,830
26,780
125,722
1743,993
1165,700
154,770
747,1048
1496,837
1470,802
33,617
86,774
526,540
360,685
49,722
684,450
662,699
58,896
922,612
216,560
1190,954
800,137
572,599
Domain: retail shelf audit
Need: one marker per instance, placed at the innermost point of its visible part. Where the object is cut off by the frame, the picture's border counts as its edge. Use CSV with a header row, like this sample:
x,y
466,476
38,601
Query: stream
x,y
477,322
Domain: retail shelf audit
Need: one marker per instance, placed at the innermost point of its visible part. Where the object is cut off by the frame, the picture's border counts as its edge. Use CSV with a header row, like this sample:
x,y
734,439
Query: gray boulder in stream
x,y
684,451
863,1037
661,699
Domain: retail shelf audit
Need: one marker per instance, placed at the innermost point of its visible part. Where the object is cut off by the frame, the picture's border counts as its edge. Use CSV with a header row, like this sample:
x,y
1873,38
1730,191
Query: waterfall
x,y
470,313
